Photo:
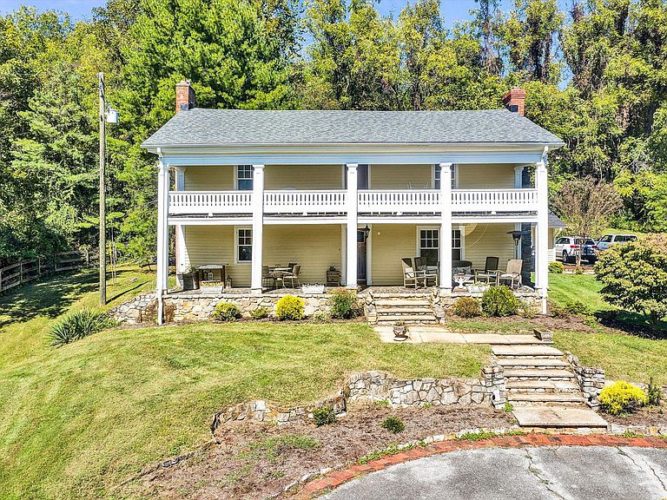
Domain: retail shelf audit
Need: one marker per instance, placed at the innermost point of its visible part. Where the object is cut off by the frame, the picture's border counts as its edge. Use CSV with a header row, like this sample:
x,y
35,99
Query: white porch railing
x,y
392,201
210,202
487,200
278,202
369,201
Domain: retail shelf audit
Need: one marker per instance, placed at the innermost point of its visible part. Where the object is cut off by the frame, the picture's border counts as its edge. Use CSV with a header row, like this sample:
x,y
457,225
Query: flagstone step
x,y
558,417
402,303
539,373
419,318
530,362
546,386
525,350
388,311
537,397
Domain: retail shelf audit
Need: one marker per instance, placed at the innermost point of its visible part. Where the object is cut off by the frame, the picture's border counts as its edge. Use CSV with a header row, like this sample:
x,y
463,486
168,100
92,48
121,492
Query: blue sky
x,y
453,10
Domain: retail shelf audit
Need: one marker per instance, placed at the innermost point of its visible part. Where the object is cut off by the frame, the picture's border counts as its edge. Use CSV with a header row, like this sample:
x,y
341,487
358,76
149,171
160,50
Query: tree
x,y
634,276
586,205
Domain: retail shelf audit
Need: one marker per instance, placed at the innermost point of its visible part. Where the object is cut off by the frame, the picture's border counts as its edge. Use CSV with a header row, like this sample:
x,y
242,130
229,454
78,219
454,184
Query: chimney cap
x,y
514,93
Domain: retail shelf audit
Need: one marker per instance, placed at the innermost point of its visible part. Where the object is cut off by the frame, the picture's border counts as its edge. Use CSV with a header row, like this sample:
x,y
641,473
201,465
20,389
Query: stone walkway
x,y
439,335
530,466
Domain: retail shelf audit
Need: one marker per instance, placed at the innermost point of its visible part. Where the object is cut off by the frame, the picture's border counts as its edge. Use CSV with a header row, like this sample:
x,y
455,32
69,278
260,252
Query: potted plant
x,y
189,279
400,331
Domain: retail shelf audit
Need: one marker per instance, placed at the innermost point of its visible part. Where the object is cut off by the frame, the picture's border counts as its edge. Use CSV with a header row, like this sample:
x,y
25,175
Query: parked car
x,y
567,247
612,239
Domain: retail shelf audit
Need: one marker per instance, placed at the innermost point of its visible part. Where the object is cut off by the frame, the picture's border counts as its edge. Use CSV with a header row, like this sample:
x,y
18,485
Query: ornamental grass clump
x,y
393,424
467,307
324,416
499,301
556,267
78,325
226,311
622,397
290,307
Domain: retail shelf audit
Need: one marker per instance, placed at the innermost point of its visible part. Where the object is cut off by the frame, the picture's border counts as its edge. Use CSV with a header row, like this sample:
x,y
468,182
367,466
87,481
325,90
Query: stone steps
x,y
539,374
388,311
533,363
402,303
558,417
410,309
517,351
420,319
542,386
536,397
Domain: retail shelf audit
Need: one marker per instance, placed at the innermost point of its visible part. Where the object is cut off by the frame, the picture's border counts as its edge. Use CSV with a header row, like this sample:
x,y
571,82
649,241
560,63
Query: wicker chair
x,y
293,277
268,279
513,273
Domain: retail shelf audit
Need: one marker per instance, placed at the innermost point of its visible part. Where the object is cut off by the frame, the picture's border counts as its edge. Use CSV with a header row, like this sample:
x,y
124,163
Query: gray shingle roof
x,y
220,127
554,221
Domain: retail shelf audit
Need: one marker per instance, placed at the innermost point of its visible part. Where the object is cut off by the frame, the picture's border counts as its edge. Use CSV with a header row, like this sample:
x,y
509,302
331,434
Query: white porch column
x,y
162,237
351,254
518,184
542,231
180,229
257,227
445,277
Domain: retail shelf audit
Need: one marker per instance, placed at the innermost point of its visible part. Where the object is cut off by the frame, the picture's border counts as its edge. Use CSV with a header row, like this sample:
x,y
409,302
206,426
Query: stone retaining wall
x,y
198,307
591,380
380,386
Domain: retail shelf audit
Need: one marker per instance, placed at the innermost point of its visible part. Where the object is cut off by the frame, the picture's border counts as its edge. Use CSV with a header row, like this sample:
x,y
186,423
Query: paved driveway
x,y
520,473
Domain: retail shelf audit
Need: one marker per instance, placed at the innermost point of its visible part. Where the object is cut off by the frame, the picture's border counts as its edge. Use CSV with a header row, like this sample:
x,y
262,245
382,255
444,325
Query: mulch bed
x,y
259,460
648,416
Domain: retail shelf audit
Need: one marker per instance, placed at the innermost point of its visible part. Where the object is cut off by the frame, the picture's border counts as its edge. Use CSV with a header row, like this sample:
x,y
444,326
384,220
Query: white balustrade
x,y
304,202
210,202
494,200
394,201
369,201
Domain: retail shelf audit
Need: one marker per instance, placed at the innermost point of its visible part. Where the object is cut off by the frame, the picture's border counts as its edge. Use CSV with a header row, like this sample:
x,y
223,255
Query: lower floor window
x,y
429,245
244,245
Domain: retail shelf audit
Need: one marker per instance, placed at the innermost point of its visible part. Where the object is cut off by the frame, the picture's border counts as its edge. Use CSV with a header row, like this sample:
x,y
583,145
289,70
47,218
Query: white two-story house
x,y
354,190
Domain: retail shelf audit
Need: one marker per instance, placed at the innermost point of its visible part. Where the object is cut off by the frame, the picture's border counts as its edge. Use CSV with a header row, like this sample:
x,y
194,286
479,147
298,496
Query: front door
x,y
361,256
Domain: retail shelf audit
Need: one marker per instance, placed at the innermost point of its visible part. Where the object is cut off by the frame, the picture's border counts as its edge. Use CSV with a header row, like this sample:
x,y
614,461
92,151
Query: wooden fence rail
x,y
28,270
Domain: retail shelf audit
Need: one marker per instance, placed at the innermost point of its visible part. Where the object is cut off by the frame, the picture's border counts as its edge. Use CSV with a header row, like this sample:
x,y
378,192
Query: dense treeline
x,y
596,75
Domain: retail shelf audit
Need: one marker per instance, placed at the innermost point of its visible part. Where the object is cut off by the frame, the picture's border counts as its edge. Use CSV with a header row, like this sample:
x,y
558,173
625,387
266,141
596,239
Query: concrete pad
x,y
552,416
438,335
525,350
498,339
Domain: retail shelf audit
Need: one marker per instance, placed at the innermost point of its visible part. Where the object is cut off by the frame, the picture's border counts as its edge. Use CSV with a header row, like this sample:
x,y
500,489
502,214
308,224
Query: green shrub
x,y
653,393
576,307
290,307
78,325
578,270
557,311
226,311
499,301
343,303
556,267
622,397
320,317
393,424
634,276
324,415
467,307
259,313
527,310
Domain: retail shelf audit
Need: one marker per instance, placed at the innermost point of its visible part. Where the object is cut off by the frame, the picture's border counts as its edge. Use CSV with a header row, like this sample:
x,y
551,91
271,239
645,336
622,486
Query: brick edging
x,y
337,478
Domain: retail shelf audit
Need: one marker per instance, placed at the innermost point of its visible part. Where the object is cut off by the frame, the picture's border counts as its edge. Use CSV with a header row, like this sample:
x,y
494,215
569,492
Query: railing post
x,y
446,228
257,228
352,207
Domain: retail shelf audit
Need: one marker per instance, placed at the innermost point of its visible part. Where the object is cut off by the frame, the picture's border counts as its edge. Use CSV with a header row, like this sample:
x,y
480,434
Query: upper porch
x,y
383,191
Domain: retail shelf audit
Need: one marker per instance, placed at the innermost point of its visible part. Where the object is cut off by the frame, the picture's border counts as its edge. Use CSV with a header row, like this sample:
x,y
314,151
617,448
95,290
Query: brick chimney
x,y
515,100
185,96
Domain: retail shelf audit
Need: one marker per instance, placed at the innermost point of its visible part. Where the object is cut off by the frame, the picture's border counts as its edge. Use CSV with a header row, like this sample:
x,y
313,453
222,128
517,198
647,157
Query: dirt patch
x,y
649,416
260,460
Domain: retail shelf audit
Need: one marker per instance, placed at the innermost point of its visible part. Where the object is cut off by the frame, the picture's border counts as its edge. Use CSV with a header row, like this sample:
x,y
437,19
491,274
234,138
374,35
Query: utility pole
x,y
103,239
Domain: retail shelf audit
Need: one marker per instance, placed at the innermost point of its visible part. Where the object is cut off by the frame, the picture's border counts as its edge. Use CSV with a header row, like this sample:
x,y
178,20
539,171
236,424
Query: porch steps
x,y
409,309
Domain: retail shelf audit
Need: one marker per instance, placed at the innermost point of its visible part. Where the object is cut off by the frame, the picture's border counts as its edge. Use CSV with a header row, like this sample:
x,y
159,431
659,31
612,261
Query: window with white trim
x,y
429,241
437,175
244,245
244,177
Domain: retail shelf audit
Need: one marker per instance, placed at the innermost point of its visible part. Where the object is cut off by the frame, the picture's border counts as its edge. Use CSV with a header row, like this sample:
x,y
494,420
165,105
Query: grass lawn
x,y
78,420
564,288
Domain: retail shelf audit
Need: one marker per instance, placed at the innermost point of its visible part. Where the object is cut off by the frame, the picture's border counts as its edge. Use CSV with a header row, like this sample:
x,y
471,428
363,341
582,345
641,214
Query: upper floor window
x,y
437,175
244,177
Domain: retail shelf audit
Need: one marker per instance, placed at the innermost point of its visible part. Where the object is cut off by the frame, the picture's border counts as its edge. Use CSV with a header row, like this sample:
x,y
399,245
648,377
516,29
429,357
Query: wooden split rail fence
x,y
28,270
